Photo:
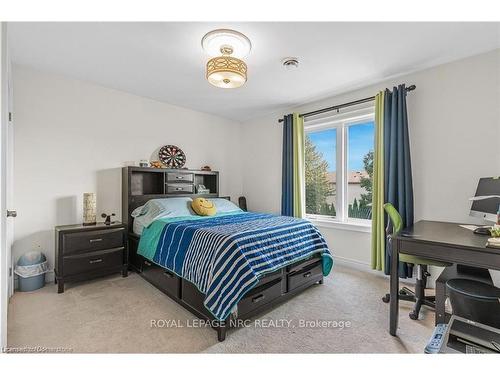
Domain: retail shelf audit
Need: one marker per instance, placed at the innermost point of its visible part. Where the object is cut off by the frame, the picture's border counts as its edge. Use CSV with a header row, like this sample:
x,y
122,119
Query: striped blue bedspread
x,y
224,256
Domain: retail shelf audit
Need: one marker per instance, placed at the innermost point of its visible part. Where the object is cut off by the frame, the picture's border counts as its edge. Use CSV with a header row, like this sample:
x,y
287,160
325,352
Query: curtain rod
x,y
336,107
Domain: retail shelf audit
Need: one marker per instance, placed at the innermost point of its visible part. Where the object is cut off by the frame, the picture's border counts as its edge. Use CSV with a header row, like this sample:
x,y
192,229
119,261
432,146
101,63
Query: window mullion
x,y
345,173
340,188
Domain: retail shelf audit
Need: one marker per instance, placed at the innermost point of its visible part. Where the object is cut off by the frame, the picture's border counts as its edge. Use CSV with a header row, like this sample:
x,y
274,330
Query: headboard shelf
x,y
140,185
146,183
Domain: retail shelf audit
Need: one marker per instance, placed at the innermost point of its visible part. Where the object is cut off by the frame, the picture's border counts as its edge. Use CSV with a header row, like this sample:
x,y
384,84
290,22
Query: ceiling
x,y
165,61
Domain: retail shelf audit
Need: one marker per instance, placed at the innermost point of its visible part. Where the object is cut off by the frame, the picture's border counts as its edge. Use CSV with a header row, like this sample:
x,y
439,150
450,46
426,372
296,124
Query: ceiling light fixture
x,y
226,69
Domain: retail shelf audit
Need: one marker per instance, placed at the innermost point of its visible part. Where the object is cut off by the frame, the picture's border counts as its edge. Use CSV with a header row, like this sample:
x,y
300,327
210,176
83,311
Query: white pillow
x,y
224,205
164,207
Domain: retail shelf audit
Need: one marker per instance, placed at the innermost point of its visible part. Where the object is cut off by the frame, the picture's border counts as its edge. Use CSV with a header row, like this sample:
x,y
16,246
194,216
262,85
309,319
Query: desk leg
x,y
394,303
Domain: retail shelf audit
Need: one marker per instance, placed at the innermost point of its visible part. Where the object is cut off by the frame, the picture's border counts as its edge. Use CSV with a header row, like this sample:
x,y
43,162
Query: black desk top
x,y
445,233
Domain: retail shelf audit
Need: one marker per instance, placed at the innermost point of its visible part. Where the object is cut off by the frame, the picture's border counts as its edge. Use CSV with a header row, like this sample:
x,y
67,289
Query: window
x,y
339,166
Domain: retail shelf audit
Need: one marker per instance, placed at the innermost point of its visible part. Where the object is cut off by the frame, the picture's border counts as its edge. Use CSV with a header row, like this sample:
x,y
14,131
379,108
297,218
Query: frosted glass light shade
x,y
226,72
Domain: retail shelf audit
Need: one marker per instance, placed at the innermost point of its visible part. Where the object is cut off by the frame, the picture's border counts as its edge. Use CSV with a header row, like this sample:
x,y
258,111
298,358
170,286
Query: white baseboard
x,y
49,276
354,262
366,267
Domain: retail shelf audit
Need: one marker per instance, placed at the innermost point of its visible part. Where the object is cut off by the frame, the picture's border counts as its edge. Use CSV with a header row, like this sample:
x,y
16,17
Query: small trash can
x,y
31,268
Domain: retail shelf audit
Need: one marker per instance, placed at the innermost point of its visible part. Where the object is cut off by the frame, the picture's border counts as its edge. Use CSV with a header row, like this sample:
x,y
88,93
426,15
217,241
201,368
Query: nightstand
x,y
85,252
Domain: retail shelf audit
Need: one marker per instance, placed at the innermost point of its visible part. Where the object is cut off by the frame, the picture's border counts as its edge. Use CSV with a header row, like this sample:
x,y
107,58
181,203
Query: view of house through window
x,y
322,165
360,170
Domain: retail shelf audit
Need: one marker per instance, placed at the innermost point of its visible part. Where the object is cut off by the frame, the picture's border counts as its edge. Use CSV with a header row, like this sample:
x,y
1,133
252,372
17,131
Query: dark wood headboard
x,y
139,185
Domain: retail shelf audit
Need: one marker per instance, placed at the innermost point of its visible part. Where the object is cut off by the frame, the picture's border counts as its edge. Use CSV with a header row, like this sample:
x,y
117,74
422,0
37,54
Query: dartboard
x,y
172,156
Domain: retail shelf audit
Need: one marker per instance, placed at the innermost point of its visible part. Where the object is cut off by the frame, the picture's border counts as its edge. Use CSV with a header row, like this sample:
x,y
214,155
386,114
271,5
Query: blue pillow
x,y
165,207
224,205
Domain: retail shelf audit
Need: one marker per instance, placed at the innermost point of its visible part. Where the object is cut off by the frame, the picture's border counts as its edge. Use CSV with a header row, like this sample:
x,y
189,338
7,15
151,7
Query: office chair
x,y
475,301
418,296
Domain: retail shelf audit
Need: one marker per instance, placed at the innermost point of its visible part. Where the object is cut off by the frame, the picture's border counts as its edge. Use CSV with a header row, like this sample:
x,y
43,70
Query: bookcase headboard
x,y
139,185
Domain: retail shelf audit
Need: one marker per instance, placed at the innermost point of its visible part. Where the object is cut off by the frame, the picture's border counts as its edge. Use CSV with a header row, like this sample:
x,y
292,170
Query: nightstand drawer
x,y
180,188
180,177
76,264
93,240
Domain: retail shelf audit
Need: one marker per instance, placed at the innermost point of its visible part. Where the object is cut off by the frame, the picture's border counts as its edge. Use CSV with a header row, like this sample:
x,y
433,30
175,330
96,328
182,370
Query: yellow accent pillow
x,y
203,207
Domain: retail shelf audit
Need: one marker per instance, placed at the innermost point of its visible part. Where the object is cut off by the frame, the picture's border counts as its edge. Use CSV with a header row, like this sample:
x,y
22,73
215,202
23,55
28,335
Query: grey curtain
x,y
398,184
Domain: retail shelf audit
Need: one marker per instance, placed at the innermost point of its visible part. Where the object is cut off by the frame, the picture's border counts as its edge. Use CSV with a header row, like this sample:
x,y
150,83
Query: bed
x,y
223,268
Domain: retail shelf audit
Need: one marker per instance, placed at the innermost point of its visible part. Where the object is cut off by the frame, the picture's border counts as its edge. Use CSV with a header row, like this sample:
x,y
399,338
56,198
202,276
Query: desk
x,y
441,241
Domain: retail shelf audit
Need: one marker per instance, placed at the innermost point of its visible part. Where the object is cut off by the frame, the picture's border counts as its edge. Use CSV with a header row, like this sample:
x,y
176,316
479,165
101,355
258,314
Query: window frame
x,y
341,122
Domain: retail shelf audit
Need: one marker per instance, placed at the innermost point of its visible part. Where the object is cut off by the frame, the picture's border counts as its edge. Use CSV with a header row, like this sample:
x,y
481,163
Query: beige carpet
x,y
114,315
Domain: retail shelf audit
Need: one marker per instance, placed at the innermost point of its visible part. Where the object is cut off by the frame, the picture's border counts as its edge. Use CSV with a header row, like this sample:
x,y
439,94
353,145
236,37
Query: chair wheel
x,y
386,298
413,316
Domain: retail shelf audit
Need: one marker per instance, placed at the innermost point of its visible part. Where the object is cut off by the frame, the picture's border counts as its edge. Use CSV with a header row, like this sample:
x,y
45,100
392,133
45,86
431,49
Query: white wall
x,y
454,120
73,137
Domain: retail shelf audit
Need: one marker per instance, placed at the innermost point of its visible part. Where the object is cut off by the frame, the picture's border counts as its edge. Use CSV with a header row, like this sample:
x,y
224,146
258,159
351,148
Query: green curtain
x,y
298,166
378,230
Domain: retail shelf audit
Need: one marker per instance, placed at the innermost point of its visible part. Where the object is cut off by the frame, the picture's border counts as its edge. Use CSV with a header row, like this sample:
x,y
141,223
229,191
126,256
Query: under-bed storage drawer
x,y
168,282
309,274
294,267
180,188
194,298
259,296
267,278
144,264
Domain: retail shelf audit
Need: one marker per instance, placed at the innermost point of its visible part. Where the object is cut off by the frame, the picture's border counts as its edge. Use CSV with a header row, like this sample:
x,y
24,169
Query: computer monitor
x,y
485,202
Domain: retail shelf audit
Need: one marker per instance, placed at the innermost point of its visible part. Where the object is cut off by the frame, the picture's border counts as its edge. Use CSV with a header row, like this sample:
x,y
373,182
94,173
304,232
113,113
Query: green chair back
x,y
397,221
